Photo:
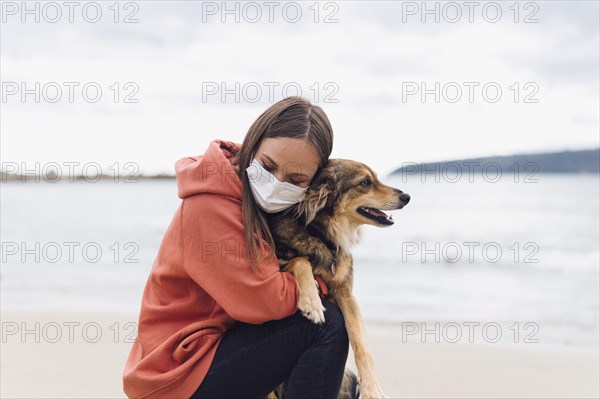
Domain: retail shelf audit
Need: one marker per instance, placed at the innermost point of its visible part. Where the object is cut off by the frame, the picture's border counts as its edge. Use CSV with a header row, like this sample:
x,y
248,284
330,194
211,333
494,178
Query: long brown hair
x,y
293,117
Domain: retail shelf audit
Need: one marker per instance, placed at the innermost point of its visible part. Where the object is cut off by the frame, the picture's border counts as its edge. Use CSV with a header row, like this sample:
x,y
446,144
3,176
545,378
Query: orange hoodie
x,y
201,282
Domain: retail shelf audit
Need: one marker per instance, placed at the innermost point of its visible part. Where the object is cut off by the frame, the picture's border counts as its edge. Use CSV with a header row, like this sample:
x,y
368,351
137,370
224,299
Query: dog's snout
x,y
404,197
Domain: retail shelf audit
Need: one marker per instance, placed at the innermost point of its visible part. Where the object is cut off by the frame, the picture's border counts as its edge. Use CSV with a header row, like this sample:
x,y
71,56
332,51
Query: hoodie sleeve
x,y
214,256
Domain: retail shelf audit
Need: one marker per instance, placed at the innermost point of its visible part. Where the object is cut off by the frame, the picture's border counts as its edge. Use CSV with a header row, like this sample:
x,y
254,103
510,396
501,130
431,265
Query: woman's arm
x,y
214,256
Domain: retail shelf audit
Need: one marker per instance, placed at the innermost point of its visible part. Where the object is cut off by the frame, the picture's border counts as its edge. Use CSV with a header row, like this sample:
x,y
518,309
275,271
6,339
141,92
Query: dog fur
x,y
315,238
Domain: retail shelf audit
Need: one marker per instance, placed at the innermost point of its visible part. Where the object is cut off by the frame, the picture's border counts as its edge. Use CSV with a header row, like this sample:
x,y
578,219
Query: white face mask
x,y
271,194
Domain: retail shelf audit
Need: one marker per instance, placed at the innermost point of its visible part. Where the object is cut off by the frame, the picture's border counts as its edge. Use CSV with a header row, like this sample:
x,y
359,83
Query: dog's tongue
x,y
377,212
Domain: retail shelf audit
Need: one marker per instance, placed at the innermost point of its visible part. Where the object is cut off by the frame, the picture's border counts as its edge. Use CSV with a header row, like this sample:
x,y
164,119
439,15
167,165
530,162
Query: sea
x,y
467,260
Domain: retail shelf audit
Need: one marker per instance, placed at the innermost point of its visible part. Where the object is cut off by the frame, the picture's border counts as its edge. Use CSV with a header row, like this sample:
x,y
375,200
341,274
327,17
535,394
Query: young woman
x,y
218,317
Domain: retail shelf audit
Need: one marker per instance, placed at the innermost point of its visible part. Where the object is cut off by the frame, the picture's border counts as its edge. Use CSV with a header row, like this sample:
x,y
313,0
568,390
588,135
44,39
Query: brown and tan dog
x,y
315,237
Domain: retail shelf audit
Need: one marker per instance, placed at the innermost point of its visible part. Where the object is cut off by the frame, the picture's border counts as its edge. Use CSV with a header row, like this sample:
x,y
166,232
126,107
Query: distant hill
x,y
584,161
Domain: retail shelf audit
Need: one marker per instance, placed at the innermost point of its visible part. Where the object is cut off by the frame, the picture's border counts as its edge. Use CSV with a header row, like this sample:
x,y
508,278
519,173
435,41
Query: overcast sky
x,y
509,78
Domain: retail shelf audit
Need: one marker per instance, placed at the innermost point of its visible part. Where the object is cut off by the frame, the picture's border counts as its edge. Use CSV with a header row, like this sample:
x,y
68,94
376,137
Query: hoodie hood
x,y
210,173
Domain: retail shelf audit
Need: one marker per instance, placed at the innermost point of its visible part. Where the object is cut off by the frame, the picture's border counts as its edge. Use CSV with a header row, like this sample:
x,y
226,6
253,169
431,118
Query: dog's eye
x,y
365,183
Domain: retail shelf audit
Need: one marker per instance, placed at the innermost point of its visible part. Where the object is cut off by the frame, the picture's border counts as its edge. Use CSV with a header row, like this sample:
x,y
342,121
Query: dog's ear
x,y
315,200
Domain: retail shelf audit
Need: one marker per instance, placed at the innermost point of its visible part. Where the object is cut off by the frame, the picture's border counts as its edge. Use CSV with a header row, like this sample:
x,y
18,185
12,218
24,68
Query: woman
x,y
218,317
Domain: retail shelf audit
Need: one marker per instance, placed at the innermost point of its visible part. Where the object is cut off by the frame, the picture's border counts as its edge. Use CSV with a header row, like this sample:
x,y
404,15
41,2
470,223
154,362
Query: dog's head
x,y
351,190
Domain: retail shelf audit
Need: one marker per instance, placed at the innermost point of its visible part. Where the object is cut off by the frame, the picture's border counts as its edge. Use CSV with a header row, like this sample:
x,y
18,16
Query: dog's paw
x,y
311,306
370,390
271,396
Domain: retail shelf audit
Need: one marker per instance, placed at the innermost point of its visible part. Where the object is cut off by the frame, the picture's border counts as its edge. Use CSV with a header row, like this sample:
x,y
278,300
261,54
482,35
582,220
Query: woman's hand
x,y
322,287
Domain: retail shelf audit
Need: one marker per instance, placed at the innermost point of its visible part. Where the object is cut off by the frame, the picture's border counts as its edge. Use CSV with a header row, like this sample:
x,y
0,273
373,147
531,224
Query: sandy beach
x,y
82,355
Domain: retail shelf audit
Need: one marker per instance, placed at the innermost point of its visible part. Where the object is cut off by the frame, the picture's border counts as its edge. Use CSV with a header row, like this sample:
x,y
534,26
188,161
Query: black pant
x,y
253,359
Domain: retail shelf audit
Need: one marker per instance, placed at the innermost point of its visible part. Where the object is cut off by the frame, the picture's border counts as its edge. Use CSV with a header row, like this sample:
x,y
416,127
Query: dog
x,y
315,238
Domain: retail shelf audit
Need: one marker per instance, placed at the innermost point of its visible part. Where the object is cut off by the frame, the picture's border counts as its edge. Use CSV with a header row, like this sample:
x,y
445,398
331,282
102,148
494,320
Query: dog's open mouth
x,y
376,215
